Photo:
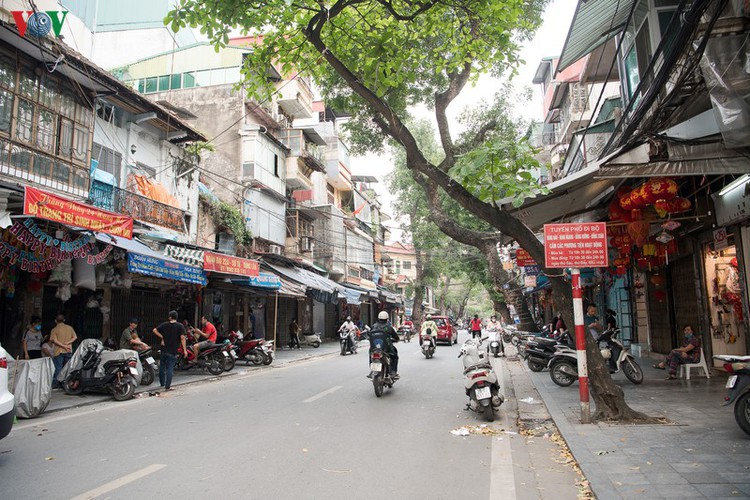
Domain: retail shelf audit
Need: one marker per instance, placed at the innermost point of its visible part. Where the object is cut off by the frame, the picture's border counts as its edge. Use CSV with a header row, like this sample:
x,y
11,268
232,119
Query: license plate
x,y
426,343
483,393
133,371
375,367
150,360
225,354
731,381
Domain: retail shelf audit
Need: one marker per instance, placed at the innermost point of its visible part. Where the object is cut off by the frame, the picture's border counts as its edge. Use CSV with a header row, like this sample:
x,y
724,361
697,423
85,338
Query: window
x,y
7,71
188,80
25,121
145,170
81,143
163,83
45,131
202,78
65,137
175,81
6,109
109,161
276,165
407,265
150,85
398,267
142,85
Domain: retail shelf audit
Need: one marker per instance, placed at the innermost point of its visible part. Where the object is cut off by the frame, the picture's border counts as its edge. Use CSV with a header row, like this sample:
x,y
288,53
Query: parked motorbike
x,y
229,361
348,341
312,339
210,358
480,381
405,332
537,351
116,376
255,351
738,385
427,342
563,366
149,366
380,364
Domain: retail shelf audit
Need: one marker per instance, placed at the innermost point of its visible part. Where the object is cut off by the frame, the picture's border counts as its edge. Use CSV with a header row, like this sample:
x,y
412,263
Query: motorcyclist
x,y
383,328
349,327
429,327
494,328
408,322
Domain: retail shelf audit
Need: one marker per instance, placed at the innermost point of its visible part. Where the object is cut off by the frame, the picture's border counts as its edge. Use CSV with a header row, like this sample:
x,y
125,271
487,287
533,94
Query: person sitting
x,y
429,327
129,337
495,331
349,328
690,352
382,329
208,332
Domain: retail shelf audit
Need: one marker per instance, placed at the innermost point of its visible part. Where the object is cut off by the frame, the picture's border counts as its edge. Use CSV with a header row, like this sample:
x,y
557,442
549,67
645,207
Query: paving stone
x,y
706,477
736,477
714,490
678,491
689,467
665,478
629,478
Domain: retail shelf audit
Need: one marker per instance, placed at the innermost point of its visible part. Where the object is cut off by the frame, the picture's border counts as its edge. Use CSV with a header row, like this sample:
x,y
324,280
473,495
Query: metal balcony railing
x,y
139,207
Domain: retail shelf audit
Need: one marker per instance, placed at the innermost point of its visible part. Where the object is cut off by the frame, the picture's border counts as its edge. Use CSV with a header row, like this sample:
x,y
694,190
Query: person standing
x,y
62,337
294,331
172,335
591,321
32,339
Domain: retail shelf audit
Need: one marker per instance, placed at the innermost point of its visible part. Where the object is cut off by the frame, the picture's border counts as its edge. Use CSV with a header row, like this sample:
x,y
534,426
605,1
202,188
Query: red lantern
x,y
658,280
660,295
658,189
620,270
662,207
678,205
615,210
621,240
637,198
638,231
626,202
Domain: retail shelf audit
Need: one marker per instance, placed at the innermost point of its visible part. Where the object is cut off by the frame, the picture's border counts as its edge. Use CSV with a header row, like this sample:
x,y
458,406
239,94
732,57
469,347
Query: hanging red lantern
x,y
621,240
638,231
626,202
679,204
662,207
637,198
658,279
620,270
615,210
660,295
661,188
621,261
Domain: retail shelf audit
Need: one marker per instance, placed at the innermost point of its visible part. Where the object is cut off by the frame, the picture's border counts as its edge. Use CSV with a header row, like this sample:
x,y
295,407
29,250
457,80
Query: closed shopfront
x,y
151,307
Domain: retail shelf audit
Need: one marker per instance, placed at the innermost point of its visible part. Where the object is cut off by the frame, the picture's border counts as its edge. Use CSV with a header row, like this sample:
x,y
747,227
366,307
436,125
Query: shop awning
x,y
318,287
351,295
392,298
594,22
573,195
186,255
143,260
266,281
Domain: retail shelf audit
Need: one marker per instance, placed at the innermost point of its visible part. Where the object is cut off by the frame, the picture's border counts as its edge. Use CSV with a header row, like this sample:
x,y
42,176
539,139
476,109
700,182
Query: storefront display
x,y
725,306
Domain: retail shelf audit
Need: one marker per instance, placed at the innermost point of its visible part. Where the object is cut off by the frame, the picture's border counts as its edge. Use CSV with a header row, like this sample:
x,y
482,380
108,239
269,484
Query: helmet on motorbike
x,y
382,315
428,317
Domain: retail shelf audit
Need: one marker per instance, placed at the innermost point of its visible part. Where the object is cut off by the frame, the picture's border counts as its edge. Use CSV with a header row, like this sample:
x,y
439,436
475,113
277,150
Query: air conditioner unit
x,y
278,250
306,244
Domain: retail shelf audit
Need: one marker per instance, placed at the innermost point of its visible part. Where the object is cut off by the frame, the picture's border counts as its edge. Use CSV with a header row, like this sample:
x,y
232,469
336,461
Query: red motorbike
x,y
256,351
211,358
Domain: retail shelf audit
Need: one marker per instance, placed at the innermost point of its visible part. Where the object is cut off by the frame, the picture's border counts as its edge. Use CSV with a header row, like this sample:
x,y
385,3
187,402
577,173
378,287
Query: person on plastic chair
x,y
689,352
382,328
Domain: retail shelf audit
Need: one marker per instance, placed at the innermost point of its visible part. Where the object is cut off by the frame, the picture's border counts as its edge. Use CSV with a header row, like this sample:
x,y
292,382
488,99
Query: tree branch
x,y
442,101
404,17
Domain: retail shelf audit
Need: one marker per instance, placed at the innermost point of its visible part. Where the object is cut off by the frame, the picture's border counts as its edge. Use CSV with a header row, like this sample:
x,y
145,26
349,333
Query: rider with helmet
x,y
381,326
349,327
429,327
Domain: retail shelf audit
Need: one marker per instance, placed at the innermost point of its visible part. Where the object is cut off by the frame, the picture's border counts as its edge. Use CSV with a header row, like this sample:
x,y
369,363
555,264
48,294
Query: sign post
x,y
576,246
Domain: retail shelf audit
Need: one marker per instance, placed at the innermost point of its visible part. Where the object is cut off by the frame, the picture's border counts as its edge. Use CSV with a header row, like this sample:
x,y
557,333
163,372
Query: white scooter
x,y
312,339
481,382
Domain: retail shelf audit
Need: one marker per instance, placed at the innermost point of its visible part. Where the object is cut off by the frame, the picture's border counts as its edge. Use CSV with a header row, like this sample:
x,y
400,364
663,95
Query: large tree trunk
x,y
502,309
462,305
418,289
514,295
444,296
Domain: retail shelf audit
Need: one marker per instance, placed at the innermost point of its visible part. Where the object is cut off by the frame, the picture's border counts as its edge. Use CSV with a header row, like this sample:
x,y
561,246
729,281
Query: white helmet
x,y
382,315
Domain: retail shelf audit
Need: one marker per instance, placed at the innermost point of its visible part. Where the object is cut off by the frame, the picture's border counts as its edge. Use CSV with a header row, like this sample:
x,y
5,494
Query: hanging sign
x,y
94,260
507,265
529,281
531,270
575,245
49,206
523,258
229,264
721,239
160,268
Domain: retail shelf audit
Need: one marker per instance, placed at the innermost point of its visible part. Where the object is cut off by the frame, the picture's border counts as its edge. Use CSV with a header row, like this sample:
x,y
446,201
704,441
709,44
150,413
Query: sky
x,y
548,42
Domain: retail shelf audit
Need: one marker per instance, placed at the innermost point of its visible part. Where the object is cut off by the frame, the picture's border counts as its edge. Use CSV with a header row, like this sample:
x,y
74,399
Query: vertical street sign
x,y
576,246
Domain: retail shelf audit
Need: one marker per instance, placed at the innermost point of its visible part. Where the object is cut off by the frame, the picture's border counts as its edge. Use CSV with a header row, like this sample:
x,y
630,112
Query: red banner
x,y
44,205
575,245
230,264
523,258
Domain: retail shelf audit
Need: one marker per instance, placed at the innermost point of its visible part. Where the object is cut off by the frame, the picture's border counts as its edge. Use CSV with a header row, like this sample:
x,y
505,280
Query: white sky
x,y
548,42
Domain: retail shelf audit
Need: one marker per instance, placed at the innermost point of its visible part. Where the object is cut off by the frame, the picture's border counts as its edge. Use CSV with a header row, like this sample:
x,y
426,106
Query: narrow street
x,y
311,429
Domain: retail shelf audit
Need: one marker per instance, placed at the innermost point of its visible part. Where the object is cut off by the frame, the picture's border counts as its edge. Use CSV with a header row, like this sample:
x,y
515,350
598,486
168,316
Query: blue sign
x,y
264,280
160,268
531,270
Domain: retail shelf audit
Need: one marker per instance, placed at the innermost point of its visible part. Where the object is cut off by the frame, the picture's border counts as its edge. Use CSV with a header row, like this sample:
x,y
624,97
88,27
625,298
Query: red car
x,y
446,331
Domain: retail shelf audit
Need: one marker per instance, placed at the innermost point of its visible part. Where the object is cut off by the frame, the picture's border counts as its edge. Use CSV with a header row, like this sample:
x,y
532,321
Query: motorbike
x,y
149,366
427,342
85,371
210,358
380,364
738,385
480,381
537,351
255,351
229,361
405,332
312,339
563,366
348,341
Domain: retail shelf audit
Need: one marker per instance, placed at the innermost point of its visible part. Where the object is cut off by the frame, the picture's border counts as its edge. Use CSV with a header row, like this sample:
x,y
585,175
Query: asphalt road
x,y
312,429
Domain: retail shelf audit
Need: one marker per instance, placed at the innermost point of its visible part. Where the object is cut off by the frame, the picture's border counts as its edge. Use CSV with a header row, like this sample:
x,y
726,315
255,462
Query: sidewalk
x,y
700,453
61,401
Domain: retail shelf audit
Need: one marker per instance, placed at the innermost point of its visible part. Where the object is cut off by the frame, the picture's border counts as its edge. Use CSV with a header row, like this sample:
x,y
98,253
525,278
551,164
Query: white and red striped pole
x,y
583,371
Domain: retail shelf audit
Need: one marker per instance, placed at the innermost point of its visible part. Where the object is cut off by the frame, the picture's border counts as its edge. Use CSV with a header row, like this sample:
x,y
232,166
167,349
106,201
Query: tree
x,y
375,59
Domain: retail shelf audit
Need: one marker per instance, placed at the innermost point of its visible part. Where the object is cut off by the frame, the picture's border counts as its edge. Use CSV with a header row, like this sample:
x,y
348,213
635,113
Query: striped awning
x,y
186,255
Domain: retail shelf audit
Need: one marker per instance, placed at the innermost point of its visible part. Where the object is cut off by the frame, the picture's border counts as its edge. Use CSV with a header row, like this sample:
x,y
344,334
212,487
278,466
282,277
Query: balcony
x,y
29,167
295,98
258,176
139,207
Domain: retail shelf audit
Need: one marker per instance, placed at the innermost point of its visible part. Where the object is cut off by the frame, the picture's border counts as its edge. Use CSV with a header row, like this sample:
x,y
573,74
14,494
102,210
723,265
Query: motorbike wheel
x,y
124,389
742,412
534,365
267,359
343,349
632,371
148,375
489,413
215,365
514,341
316,344
182,364
228,363
72,385
560,377
377,384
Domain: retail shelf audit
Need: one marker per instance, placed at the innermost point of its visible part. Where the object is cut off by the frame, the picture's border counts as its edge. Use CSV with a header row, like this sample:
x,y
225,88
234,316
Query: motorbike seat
x,y
113,362
478,366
